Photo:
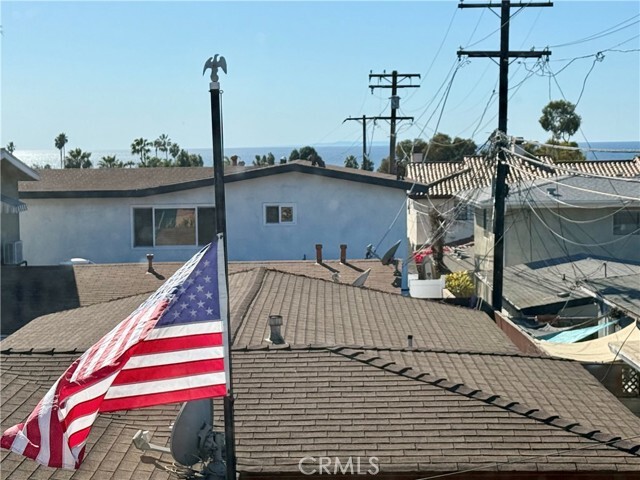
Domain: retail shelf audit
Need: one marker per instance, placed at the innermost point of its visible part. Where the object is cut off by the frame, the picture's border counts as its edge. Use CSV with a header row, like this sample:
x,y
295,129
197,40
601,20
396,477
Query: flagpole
x,y
221,228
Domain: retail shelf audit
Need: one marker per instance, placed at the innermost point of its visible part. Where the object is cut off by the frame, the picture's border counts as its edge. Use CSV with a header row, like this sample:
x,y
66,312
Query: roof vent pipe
x,y
318,253
343,253
150,260
275,324
410,341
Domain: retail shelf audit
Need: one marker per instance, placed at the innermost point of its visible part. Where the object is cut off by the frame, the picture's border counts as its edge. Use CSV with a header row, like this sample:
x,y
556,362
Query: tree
x,y
186,159
294,155
141,146
367,164
174,150
442,148
307,151
11,147
110,161
164,143
78,159
271,159
60,141
384,166
351,162
560,118
406,148
558,154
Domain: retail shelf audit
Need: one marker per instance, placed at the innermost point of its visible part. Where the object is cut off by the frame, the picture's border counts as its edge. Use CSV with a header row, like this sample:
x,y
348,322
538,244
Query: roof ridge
x,y
248,299
518,408
364,287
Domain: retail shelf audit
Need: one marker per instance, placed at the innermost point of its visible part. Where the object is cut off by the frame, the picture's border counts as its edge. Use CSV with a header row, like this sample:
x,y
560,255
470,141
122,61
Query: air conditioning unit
x,y
13,253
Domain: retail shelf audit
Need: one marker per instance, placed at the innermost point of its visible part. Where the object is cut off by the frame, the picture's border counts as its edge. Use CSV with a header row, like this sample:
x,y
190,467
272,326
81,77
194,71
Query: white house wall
x,y
327,211
419,228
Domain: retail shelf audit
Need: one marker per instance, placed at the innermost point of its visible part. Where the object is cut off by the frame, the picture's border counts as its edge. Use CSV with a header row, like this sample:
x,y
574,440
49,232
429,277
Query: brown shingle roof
x,y
465,398
38,291
150,181
297,402
322,312
446,179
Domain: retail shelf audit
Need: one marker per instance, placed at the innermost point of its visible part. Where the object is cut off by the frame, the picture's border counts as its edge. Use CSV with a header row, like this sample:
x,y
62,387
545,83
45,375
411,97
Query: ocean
x,y
332,154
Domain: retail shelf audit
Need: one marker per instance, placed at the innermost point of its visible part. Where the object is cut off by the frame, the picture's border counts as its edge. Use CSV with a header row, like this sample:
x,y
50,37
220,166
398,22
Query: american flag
x,y
171,349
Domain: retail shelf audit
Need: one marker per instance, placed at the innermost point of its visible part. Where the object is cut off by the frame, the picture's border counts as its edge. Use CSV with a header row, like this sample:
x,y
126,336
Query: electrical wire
x,y
603,33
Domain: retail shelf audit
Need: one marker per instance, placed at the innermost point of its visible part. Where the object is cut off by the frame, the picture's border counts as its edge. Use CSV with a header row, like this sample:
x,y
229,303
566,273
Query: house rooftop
x,y
546,286
346,384
447,179
567,190
41,290
141,182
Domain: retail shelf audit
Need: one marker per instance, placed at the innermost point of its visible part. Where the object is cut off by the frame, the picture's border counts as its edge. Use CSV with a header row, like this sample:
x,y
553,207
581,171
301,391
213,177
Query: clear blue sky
x,y
107,72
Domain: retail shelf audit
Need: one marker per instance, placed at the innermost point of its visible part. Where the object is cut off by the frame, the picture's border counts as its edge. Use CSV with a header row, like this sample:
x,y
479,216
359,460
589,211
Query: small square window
x,y
286,214
279,214
626,222
272,214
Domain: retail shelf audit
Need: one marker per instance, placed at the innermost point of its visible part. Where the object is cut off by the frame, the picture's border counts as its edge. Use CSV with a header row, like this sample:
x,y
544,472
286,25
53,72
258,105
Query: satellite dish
x,y
185,438
359,282
387,258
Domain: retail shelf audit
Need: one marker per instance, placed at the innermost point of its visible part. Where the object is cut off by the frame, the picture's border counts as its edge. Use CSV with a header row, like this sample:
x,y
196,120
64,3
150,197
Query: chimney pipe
x,y
410,341
275,336
318,253
343,253
150,260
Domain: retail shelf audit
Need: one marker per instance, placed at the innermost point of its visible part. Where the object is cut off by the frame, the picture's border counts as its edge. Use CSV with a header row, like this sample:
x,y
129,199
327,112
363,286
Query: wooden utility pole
x,y
504,54
364,119
395,104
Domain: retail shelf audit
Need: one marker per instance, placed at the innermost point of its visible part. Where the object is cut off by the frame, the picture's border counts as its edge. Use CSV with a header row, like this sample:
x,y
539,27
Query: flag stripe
x,y
211,391
173,331
167,358
169,371
146,388
176,344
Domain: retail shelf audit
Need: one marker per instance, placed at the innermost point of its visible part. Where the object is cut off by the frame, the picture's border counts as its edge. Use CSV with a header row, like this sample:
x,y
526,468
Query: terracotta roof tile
x,y
448,179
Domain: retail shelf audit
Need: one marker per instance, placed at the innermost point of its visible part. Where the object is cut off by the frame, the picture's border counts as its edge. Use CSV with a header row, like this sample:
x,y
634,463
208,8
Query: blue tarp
x,y
572,336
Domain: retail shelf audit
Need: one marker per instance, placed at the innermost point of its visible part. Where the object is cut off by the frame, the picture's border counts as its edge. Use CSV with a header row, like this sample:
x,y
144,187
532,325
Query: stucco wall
x,y
328,211
529,238
419,228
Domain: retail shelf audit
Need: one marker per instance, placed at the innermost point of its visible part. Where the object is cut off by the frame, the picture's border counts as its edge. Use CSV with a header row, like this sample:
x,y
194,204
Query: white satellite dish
x,y
387,258
359,282
185,439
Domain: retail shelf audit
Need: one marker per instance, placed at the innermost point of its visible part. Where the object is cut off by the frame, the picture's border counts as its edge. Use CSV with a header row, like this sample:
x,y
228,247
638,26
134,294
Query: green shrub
x,y
460,284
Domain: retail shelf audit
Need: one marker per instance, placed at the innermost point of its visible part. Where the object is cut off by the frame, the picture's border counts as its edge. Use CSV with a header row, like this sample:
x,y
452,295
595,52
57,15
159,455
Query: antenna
x,y
359,282
192,425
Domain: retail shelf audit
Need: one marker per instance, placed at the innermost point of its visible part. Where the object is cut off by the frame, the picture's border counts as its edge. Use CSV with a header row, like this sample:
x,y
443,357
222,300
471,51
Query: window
x,y
626,222
279,214
461,212
173,226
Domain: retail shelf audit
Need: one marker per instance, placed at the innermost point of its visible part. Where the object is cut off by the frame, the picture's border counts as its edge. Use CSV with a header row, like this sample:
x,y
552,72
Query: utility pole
x,y
504,54
364,119
395,104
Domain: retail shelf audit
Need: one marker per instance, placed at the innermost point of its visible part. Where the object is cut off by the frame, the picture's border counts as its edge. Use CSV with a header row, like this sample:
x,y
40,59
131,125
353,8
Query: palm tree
x,y
141,146
164,142
110,161
78,159
60,141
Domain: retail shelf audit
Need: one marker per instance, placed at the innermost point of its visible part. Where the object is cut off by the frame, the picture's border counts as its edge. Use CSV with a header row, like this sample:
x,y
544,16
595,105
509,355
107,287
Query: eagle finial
x,y
214,63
